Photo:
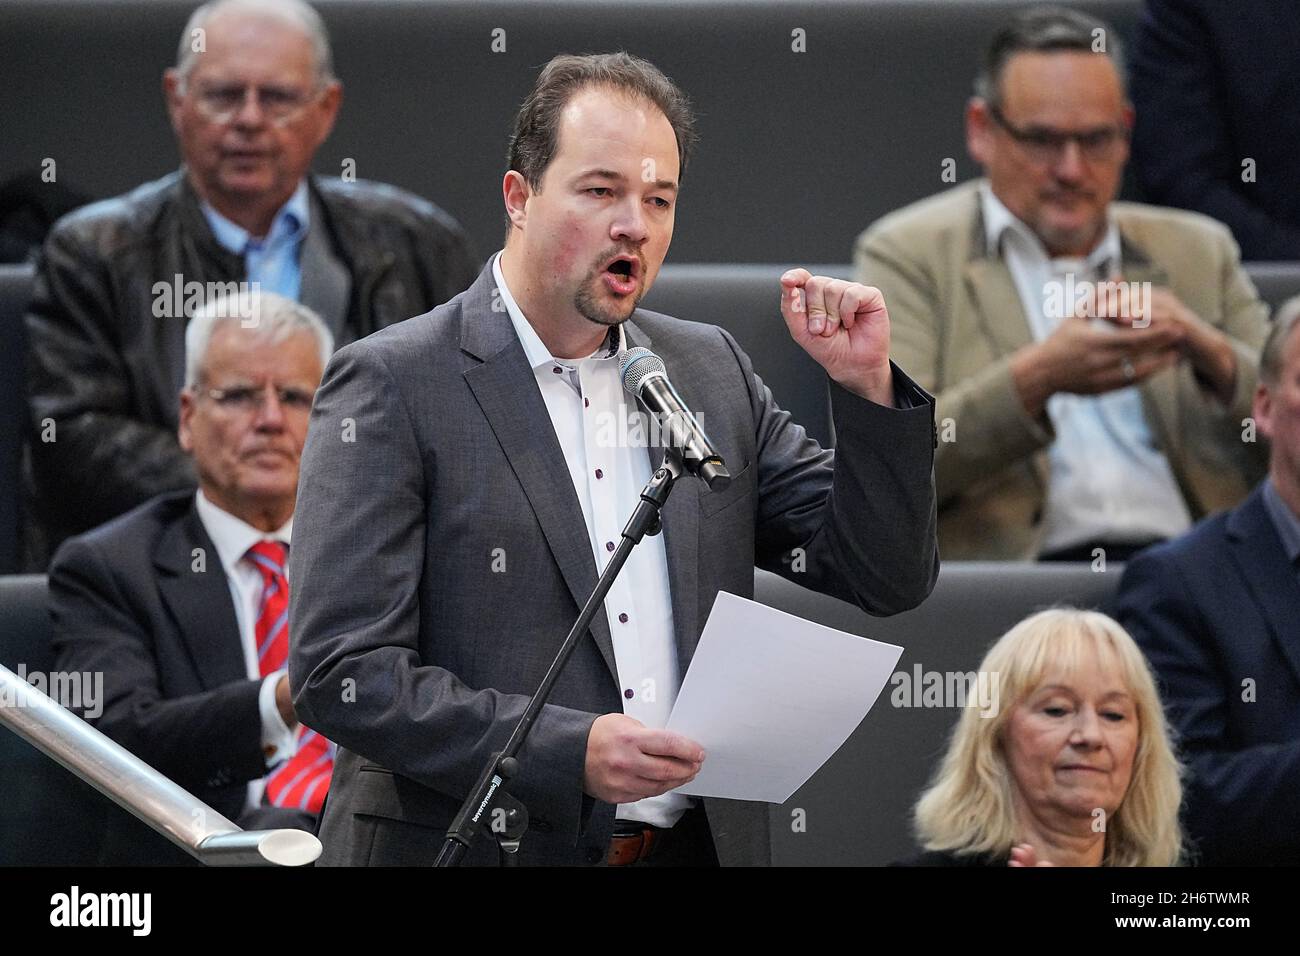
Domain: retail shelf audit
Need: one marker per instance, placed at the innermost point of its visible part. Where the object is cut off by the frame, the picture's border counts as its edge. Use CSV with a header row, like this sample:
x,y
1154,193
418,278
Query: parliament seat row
x,y
854,811
741,297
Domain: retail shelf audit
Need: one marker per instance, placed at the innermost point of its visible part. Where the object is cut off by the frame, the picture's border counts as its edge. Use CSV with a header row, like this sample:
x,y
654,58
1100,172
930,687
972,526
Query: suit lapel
x,y
681,522
199,601
506,390
326,282
998,304
1258,553
997,301
998,308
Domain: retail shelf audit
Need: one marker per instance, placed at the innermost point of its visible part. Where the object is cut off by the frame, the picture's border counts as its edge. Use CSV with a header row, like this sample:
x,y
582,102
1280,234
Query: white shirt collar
x,y
233,536
539,356
998,220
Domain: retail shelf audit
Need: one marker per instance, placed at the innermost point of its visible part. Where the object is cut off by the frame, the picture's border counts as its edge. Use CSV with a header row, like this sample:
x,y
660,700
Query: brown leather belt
x,y
626,850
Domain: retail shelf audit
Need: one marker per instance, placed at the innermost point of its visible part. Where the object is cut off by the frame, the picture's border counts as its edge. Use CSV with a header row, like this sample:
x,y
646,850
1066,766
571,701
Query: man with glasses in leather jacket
x,y
251,99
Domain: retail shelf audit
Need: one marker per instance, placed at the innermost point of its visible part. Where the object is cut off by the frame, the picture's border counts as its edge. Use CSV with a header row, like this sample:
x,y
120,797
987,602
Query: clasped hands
x,y
1140,336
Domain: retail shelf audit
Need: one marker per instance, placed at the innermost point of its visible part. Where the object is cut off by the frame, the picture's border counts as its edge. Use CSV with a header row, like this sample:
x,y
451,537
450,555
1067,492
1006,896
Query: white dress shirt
x,y
232,538
598,431
1108,480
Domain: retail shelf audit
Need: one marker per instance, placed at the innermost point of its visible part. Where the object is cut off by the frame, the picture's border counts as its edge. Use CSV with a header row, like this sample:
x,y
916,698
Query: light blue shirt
x,y
1108,480
1287,523
273,260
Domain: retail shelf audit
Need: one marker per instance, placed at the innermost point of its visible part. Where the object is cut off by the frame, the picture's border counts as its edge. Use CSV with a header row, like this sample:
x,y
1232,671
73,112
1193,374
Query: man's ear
x,y
171,83
329,104
516,192
979,132
1127,117
1262,410
183,433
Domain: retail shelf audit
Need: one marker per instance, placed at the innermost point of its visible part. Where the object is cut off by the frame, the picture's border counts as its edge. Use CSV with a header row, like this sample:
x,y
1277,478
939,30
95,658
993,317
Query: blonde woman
x,y
1074,769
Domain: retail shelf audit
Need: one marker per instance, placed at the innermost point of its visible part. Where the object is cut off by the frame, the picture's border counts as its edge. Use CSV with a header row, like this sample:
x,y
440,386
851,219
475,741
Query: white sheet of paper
x,y
770,697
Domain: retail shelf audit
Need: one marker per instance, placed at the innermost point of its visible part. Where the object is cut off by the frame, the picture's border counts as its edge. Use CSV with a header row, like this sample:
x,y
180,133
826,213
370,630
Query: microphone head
x,y
636,365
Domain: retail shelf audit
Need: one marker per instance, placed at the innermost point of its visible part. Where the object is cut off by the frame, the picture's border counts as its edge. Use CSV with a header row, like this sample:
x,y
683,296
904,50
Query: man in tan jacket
x,y
1093,360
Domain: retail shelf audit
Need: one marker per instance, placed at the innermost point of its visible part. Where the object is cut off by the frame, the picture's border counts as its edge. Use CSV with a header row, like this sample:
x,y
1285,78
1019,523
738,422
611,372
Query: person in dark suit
x,y
1217,612
179,602
1216,88
467,473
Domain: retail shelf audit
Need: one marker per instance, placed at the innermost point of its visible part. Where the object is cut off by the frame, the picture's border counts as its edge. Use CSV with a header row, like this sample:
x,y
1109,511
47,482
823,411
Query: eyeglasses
x,y
280,105
247,399
1044,145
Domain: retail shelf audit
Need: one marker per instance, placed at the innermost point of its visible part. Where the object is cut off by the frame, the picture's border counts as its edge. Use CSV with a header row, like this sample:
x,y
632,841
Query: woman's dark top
x,y
949,858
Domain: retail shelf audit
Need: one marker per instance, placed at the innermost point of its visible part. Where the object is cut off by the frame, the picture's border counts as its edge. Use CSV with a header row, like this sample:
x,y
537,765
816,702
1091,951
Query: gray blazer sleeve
x,y
858,522
357,561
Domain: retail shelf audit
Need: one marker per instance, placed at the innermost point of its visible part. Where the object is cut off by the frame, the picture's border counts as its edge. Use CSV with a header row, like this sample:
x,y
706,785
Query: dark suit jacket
x,y
431,448
1213,609
1214,84
145,600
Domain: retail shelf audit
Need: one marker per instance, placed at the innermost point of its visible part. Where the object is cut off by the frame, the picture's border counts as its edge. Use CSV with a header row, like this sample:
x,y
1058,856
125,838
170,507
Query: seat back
x,y
15,294
1276,281
48,816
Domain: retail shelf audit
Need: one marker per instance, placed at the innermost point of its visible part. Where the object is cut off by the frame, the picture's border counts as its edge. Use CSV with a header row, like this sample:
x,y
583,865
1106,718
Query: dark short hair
x,y
536,133
1044,29
1284,323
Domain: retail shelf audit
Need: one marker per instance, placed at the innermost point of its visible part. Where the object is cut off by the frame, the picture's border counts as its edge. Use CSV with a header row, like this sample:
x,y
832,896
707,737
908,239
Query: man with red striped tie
x,y
183,602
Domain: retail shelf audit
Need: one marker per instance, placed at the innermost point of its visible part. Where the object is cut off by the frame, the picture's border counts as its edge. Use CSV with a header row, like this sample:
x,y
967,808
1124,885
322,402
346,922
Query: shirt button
x,y
609,545
622,619
586,403
599,473
557,370
628,693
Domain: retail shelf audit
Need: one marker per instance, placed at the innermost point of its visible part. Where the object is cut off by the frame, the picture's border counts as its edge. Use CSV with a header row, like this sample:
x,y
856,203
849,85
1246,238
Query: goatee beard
x,y
588,306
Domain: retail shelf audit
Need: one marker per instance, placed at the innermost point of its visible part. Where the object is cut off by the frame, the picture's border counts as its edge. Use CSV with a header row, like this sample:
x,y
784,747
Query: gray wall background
x,y
799,151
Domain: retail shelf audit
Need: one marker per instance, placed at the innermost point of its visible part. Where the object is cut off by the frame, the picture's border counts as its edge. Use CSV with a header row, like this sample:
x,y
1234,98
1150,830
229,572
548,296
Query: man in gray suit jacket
x,y
459,497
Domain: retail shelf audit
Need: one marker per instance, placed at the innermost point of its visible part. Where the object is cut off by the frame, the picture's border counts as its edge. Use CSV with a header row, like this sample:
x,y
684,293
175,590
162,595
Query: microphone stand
x,y
489,801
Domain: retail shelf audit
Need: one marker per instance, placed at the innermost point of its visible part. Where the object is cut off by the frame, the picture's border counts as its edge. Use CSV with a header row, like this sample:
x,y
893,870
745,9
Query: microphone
x,y
644,375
